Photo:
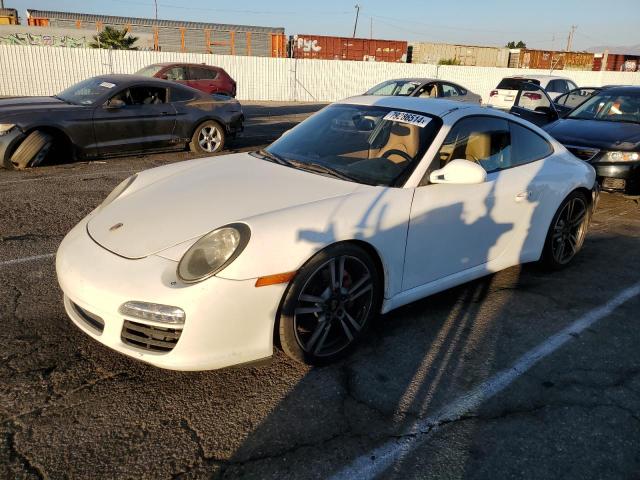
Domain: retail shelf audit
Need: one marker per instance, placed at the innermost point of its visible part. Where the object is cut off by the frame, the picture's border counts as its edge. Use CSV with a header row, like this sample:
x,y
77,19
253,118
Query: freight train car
x,y
344,48
616,62
552,60
8,16
468,55
177,36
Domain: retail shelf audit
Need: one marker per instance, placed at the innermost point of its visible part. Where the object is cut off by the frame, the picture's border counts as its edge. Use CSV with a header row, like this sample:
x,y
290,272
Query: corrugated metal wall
x,y
31,70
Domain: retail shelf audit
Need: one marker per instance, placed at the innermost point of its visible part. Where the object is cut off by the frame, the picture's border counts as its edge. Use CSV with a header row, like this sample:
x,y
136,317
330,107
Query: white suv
x,y
505,93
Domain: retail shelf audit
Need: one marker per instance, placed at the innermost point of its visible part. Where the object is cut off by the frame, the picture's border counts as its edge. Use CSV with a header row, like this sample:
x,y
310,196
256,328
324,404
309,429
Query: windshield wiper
x,y
272,157
320,168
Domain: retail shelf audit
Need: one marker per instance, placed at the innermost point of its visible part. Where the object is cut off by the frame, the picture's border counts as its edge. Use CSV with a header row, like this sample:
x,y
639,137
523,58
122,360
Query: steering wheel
x,y
395,151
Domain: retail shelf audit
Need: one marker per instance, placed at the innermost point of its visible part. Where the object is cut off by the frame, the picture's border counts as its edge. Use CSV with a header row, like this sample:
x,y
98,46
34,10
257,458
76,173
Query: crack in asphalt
x,y
16,455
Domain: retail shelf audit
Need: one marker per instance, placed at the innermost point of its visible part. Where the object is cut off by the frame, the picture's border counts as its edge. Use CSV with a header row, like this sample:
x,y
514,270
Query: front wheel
x,y
567,231
329,304
209,137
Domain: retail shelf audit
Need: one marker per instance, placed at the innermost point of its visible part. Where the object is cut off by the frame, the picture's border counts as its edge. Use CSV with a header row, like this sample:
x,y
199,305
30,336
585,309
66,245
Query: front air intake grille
x,y
149,337
583,153
90,320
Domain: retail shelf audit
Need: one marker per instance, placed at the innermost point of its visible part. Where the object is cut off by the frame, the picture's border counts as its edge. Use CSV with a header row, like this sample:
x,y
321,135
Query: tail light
x,y
532,96
493,93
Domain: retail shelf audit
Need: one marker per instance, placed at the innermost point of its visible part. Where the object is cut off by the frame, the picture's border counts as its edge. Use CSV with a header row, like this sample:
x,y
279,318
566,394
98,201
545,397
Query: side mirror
x,y
461,172
115,104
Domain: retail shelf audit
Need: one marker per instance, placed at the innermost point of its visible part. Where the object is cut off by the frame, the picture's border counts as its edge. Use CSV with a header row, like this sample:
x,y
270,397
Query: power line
x,y
355,26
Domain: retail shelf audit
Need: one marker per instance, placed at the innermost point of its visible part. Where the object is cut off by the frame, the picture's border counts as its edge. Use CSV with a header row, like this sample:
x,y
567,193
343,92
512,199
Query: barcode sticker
x,y
410,118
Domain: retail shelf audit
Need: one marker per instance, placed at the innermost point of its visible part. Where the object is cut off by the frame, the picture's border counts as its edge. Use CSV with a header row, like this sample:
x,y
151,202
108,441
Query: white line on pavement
x,y
17,261
377,461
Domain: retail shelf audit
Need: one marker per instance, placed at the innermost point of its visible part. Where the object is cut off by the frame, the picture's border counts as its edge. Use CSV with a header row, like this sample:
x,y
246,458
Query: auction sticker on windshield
x,y
410,118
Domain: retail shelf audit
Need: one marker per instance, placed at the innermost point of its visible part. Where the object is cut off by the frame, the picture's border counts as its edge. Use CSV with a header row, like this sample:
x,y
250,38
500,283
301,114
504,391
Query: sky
x,y
543,24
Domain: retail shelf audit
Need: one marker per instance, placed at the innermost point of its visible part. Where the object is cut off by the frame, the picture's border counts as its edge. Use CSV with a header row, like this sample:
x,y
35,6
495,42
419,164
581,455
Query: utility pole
x,y
1,3
570,39
155,2
355,26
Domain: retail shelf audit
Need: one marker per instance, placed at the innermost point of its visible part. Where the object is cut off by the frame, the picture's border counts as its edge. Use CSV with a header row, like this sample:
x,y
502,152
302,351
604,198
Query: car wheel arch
x,y
369,248
61,137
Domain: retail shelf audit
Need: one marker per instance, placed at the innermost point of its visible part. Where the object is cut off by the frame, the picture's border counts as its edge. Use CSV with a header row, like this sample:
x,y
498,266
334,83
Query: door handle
x,y
523,196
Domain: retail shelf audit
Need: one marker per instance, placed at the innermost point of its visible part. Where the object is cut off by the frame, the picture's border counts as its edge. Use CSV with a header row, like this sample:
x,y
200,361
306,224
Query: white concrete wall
x,y
34,70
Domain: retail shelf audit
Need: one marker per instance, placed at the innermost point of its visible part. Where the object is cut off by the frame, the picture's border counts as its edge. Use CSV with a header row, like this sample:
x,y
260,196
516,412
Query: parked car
x,y
505,92
570,100
424,88
604,130
367,205
114,115
206,78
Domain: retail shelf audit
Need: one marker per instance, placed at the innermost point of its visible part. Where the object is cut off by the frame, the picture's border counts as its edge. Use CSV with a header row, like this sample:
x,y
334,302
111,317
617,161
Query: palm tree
x,y
113,38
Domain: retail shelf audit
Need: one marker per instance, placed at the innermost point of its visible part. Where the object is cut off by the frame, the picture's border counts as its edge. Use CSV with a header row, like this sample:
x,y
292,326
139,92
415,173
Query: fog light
x,y
153,312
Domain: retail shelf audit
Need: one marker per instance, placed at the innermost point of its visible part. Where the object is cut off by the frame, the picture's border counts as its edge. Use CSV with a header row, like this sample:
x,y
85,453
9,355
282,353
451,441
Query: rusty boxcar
x,y
344,48
554,60
616,62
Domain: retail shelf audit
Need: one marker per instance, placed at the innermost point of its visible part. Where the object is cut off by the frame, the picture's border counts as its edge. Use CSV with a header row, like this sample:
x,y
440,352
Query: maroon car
x,y
199,76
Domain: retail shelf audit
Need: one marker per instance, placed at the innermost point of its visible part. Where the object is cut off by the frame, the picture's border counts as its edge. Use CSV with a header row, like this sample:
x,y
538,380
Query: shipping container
x,y
8,16
552,60
468,55
177,36
616,62
343,48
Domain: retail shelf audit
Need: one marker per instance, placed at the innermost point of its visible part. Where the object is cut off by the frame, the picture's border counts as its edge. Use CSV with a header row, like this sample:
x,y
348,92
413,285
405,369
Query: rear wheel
x,y
209,137
329,304
32,151
567,231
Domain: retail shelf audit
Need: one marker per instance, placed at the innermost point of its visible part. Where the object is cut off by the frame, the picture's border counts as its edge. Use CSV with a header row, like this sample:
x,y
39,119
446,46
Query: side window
x,y
527,146
144,95
449,90
571,85
428,90
180,95
562,99
201,73
176,74
484,140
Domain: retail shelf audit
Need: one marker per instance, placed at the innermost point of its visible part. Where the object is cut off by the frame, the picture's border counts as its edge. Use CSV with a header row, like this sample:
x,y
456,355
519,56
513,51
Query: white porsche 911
x,y
368,205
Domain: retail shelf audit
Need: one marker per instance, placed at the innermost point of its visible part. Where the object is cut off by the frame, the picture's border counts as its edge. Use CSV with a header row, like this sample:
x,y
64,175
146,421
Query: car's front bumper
x,y
227,322
623,177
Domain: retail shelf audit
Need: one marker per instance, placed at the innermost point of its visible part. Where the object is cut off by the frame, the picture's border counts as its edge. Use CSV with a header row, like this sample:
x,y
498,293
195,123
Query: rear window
x,y
515,83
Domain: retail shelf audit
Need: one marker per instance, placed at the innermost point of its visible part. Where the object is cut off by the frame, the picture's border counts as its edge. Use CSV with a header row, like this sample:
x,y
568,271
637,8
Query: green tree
x,y
520,44
111,37
449,61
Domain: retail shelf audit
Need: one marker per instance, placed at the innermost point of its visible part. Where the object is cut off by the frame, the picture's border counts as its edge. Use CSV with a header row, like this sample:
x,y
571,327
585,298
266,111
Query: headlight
x,y
622,156
119,190
6,128
213,252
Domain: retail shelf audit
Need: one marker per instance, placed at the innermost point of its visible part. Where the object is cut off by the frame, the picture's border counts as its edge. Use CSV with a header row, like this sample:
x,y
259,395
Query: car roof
x,y
622,89
437,107
412,79
539,77
170,64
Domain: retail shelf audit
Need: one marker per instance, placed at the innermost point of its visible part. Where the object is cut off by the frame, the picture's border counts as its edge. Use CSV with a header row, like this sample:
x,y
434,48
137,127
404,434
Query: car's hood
x,y
160,213
19,105
595,133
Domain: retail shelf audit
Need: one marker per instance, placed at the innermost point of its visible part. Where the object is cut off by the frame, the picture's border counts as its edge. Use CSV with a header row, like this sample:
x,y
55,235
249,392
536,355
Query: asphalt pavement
x,y
522,374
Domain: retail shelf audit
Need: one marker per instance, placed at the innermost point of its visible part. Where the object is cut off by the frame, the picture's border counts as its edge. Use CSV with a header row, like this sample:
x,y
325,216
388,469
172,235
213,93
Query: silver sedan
x,y
425,88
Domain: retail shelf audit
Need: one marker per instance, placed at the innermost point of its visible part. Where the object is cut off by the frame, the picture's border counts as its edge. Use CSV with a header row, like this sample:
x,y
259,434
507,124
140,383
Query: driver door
x,y
455,229
135,119
533,104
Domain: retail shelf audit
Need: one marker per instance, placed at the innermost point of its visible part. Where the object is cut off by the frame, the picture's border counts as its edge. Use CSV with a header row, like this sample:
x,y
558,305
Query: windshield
x,y
394,87
149,71
366,144
86,92
609,107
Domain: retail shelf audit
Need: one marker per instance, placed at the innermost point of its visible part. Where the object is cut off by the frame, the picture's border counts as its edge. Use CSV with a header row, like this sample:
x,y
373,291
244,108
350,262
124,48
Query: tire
x,y
32,151
567,231
209,137
322,318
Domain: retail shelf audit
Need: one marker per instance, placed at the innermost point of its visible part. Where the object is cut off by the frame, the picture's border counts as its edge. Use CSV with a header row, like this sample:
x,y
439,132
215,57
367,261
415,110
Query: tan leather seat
x,y
403,137
434,92
478,147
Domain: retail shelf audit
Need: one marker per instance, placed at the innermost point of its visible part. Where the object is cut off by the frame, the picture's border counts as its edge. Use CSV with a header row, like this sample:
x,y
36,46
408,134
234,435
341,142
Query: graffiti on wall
x,y
307,45
43,40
